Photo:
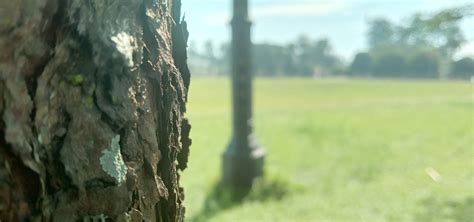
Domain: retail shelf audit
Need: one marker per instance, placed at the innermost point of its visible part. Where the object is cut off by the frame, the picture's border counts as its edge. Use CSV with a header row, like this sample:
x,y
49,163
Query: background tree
x,y
463,68
424,64
444,25
303,55
224,58
389,64
210,55
290,64
361,65
381,32
440,31
92,98
322,57
268,59
425,45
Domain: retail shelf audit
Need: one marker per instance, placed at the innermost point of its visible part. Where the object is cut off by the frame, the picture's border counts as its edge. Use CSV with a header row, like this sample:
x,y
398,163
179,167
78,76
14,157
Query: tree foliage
x,y
390,64
361,65
381,32
424,64
418,48
299,58
463,68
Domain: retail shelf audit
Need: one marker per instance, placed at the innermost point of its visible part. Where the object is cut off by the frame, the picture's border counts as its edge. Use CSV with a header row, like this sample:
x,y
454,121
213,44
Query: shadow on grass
x,y
222,197
450,210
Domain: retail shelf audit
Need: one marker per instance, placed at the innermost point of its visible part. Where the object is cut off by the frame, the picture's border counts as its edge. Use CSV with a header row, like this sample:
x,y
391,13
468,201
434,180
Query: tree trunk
x,y
92,97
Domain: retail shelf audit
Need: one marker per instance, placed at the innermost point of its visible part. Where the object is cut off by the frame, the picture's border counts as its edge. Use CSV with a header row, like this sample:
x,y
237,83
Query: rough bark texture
x,y
92,97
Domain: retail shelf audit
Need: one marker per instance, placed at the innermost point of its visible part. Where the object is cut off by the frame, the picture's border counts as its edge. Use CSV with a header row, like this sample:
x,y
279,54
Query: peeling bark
x,y
92,103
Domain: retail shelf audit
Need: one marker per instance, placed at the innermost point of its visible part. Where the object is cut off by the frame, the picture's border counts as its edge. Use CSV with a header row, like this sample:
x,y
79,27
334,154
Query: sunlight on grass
x,y
349,150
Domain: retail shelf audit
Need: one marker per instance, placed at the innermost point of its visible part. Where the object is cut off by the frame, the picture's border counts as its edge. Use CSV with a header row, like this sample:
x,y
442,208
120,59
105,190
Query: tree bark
x,y
92,103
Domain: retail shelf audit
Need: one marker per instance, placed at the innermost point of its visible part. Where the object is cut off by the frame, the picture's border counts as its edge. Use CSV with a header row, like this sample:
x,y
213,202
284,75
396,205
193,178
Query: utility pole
x,y
244,157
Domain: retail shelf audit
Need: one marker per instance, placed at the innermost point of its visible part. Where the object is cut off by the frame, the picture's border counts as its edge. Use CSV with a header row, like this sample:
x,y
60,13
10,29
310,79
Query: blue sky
x,y
342,21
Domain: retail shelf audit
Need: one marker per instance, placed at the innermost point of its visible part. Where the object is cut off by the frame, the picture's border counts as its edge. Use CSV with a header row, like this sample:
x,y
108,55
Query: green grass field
x,y
340,150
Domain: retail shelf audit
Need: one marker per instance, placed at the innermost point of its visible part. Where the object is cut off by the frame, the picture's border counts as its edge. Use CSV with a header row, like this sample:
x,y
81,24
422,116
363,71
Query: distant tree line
x,y
303,57
422,47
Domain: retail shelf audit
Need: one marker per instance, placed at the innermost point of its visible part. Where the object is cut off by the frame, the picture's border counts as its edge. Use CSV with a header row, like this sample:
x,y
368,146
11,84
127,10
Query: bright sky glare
x,y
344,22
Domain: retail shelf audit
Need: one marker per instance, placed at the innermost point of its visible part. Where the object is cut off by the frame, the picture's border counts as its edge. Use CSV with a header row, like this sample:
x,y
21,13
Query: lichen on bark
x,y
92,102
112,161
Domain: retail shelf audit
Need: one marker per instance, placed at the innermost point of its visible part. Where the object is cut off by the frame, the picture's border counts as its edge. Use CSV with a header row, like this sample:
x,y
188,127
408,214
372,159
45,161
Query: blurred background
x,y
365,108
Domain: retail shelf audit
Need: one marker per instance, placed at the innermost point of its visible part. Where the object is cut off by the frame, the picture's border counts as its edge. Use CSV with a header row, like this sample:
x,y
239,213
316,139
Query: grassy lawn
x,y
341,150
